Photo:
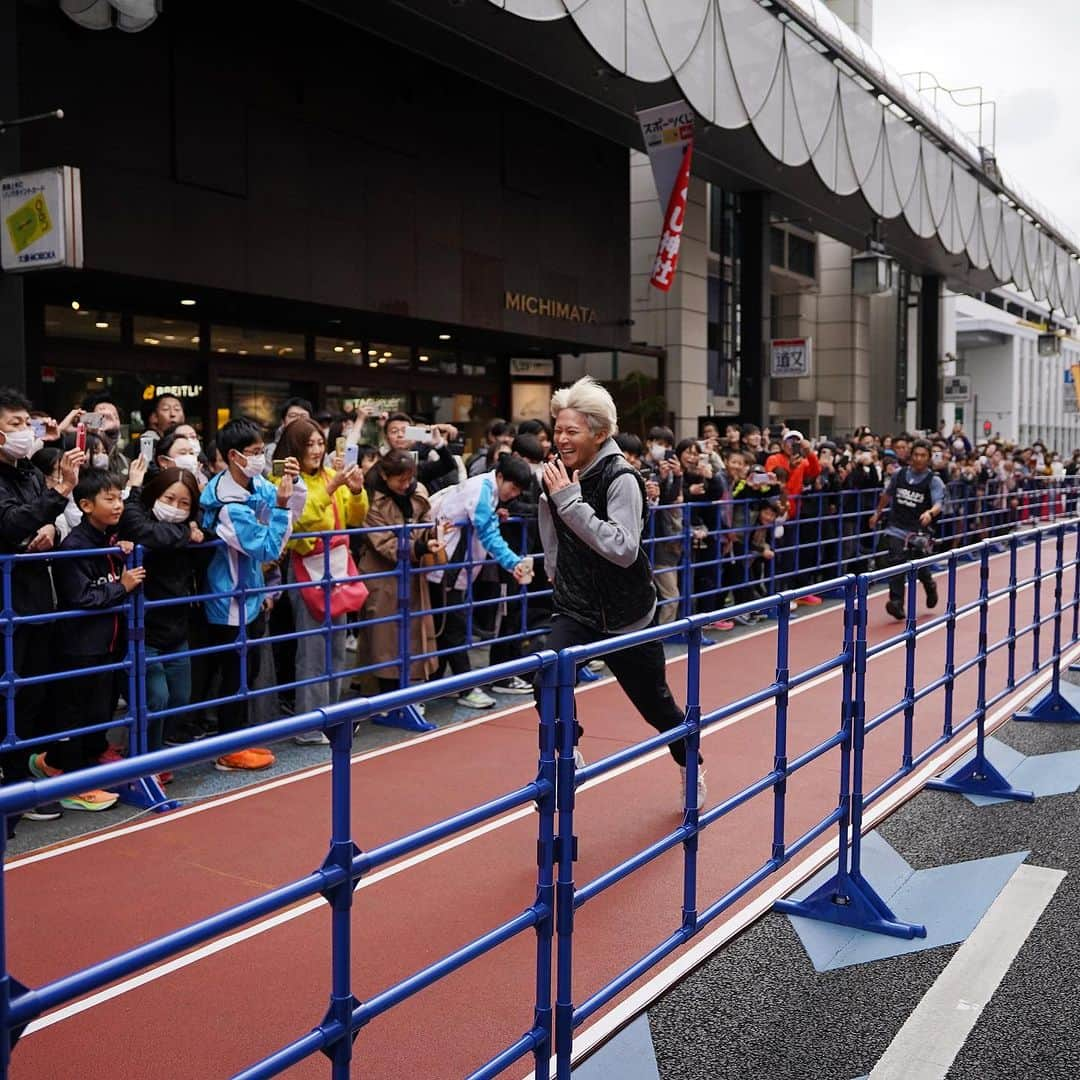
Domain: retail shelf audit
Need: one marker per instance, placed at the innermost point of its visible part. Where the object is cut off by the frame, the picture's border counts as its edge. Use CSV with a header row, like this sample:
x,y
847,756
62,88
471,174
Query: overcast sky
x,y
1026,58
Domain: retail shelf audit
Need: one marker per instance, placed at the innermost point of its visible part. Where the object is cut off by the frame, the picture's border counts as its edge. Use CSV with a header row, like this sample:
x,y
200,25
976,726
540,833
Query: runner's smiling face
x,y
576,442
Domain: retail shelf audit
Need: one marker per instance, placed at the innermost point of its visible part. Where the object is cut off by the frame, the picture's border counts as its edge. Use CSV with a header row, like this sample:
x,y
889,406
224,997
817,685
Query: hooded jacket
x,y
254,529
477,500
91,583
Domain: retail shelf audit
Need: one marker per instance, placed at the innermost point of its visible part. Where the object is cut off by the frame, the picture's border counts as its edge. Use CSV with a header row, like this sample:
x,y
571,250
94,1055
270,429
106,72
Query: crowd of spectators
x,y
732,514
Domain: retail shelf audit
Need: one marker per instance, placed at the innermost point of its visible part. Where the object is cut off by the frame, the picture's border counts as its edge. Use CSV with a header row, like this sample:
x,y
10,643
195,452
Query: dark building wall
x,y
290,155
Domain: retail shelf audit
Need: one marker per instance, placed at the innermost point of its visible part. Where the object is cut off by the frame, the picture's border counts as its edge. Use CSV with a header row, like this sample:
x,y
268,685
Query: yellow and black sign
x,y
29,222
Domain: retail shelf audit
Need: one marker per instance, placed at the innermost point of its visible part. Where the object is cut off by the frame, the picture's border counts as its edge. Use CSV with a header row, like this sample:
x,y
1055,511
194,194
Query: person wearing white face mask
x,y
30,503
174,450
161,517
252,518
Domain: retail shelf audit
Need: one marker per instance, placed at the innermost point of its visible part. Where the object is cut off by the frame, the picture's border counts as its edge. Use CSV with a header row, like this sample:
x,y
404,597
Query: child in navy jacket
x,y
99,582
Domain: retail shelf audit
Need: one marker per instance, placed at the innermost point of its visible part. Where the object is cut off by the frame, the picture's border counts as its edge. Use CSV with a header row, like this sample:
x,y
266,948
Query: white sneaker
x,y
595,666
579,759
311,738
476,699
514,685
702,790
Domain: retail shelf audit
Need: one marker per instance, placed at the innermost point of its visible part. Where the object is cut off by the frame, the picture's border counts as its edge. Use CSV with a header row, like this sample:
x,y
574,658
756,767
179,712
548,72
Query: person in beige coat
x,y
397,499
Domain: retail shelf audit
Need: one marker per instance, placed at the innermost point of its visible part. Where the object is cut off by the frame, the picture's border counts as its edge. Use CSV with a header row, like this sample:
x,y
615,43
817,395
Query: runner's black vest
x,y
910,499
588,587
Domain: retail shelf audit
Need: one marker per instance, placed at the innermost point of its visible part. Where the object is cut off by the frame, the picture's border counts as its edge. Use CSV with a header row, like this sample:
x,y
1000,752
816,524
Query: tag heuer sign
x,y
957,388
790,358
41,219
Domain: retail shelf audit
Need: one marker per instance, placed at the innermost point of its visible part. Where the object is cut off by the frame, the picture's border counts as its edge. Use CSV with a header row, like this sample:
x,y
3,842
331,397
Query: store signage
x,y
956,389
790,358
1071,397
668,131
527,365
41,219
549,308
182,391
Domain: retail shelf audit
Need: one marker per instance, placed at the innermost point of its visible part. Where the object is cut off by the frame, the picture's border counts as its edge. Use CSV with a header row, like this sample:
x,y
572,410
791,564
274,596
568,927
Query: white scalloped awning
x,y
739,65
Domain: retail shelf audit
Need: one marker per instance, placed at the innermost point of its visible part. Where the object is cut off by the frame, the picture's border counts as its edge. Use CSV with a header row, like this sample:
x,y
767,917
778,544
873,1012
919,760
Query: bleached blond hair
x,y
589,398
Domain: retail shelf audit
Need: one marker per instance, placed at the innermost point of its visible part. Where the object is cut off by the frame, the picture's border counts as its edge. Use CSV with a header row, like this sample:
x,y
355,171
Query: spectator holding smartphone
x,y
161,517
97,582
252,517
30,503
665,472
336,500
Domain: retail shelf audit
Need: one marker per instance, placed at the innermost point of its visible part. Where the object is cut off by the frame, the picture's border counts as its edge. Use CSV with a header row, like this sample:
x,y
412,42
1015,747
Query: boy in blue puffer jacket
x,y
252,517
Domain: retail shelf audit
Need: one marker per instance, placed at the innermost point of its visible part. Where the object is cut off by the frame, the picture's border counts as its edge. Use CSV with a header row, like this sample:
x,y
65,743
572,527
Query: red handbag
x,y
344,595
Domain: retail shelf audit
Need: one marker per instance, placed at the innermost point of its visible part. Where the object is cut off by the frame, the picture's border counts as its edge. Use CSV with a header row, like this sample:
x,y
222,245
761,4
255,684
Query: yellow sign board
x,y
29,222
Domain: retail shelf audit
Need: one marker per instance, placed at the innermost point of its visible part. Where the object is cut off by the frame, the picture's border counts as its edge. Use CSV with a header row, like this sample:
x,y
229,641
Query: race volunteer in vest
x,y
591,517
917,497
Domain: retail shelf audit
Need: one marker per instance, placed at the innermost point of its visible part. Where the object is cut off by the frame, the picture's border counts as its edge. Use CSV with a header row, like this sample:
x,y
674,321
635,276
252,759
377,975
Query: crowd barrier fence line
x,y
550,1020
828,538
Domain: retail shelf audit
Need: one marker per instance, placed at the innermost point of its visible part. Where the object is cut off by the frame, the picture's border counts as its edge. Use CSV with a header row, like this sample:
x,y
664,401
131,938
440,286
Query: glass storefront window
x,y
632,379
469,413
132,392
259,399
347,399
530,401
165,333
245,341
331,350
390,356
86,324
478,364
444,361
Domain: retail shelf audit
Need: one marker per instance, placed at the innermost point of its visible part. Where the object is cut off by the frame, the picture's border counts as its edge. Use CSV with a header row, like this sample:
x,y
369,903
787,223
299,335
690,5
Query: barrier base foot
x,y
147,794
406,719
851,901
587,676
1055,708
979,777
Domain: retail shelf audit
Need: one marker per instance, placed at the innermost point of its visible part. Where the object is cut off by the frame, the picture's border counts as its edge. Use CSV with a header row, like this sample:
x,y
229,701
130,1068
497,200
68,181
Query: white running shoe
x,y
579,759
476,699
702,790
311,738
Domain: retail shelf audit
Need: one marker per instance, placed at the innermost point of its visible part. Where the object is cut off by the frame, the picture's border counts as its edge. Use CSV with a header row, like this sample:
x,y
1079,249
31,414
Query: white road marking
x,y
926,1046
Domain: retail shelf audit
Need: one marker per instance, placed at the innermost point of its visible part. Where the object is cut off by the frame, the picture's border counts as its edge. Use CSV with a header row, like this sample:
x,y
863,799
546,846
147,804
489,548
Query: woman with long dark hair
x,y
161,517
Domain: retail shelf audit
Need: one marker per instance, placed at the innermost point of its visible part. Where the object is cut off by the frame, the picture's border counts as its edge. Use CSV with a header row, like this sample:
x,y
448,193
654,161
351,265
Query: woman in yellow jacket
x,y
335,500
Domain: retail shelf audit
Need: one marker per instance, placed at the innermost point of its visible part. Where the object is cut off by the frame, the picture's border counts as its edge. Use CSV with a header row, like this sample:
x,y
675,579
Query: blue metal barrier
x,y
829,538
848,898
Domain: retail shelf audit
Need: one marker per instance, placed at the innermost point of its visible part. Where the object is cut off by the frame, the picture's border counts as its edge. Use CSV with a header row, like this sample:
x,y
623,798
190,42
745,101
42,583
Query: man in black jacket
x,y
29,505
591,518
98,582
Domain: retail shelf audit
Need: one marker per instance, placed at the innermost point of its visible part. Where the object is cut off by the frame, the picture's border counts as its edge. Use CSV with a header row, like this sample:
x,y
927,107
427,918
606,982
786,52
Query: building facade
x,y
312,210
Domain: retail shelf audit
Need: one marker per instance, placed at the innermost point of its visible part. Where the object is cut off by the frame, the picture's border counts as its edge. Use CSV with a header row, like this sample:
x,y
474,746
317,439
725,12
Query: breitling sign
x,y
550,308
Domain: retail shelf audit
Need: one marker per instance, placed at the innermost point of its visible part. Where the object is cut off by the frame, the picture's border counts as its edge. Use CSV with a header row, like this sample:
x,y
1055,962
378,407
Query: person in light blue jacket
x,y
253,519
476,503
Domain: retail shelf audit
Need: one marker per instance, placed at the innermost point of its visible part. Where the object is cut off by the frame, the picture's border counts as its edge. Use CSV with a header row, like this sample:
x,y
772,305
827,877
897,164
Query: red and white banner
x,y
667,255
